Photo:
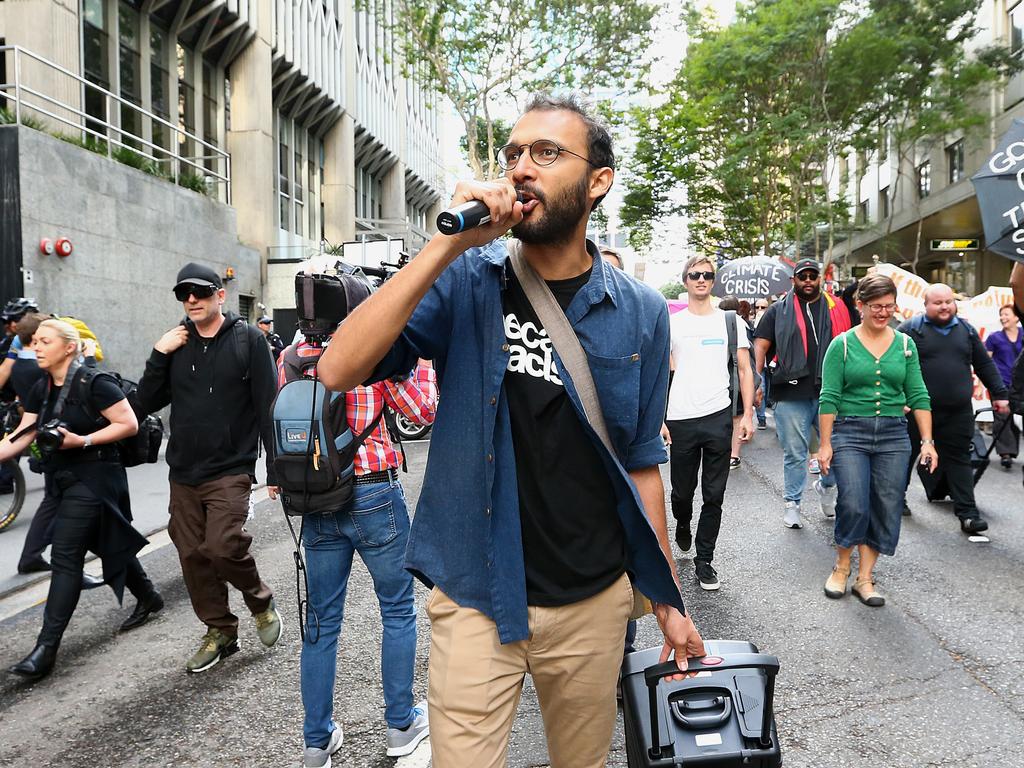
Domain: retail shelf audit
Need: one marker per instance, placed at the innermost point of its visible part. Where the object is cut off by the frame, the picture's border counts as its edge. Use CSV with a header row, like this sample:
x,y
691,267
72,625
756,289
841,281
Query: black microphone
x,y
466,216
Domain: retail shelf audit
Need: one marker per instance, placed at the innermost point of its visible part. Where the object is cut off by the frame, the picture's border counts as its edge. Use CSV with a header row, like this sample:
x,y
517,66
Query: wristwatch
x,y
88,441
927,442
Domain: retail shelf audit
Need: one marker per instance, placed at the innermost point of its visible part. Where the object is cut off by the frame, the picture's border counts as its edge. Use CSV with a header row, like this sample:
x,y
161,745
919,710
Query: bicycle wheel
x,y
11,503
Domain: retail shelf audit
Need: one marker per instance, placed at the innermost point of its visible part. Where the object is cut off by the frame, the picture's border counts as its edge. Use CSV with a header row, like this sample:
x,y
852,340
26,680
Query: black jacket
x,y
220,391
946,363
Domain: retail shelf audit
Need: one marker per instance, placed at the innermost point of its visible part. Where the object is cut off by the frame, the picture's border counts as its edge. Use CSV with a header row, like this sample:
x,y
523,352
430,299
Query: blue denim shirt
x,y
466,535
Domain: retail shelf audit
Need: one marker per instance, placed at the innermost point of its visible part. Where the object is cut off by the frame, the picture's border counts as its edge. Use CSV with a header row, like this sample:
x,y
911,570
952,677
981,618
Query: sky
x,y
665,260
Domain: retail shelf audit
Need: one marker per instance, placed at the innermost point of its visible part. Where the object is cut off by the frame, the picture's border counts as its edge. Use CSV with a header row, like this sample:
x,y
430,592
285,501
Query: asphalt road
x,y
932,679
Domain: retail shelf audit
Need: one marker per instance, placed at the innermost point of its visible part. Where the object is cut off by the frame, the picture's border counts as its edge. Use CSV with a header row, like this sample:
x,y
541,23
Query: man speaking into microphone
x,y
532,533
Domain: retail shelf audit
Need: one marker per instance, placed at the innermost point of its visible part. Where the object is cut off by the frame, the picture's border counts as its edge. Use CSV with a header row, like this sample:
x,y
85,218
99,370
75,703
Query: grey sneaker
x,y
827,495
268,625
314,757
791,517
215,646
404,742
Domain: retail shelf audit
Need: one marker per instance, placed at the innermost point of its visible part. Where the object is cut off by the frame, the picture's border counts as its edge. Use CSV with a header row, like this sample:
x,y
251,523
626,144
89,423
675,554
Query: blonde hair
x,y
66,331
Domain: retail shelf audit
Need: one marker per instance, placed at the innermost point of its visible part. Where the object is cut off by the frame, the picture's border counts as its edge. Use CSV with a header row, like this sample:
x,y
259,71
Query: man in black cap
x,y
266,325
793,335
216,373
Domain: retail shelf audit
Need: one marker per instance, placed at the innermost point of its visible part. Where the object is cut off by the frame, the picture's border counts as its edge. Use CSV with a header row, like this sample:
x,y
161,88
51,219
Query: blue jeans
x,y
760,409
869,459
376,525
794,420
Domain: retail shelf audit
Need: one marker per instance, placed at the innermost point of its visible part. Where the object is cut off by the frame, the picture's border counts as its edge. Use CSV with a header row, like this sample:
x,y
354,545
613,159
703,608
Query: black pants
x,y
953,432
40,530
701,444
75,531
1008,442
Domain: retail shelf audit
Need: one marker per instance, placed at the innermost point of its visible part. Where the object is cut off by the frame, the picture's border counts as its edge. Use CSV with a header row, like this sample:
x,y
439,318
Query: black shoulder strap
x,y
243,340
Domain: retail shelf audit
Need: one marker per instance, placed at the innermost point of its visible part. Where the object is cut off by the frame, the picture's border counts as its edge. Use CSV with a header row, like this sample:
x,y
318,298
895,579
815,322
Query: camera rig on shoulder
x,y
323,299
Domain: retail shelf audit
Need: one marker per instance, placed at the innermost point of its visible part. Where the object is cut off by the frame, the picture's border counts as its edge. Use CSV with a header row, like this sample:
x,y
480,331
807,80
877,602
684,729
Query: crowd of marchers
x,y
541,528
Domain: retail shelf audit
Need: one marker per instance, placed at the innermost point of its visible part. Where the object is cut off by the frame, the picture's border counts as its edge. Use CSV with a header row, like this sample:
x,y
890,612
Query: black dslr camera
x,y
322,301
49,438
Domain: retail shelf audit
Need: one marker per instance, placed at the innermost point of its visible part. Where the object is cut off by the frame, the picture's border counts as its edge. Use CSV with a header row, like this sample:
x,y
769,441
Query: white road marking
x,y
23,599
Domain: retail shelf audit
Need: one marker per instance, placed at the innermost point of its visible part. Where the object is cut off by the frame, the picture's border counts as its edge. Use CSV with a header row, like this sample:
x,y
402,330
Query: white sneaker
x,y
791,517
404,742
314,757
827,496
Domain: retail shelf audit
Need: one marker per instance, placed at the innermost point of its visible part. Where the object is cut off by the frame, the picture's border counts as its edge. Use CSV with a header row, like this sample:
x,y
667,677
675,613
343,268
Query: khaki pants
x,y
573,654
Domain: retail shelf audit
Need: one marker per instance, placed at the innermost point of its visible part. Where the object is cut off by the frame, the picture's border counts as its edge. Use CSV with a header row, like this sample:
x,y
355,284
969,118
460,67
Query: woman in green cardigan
x,y
871,377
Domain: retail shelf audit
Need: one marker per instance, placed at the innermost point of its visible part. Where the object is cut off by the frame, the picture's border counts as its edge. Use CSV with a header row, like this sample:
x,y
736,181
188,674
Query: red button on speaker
x,y
711,661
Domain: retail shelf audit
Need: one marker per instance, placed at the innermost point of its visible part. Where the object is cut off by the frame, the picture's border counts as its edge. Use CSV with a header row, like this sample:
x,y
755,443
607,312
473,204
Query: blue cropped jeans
x,y
869,460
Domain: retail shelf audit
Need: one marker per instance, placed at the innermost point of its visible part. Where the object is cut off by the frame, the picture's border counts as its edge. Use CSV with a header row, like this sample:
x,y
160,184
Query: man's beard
x,y
561,216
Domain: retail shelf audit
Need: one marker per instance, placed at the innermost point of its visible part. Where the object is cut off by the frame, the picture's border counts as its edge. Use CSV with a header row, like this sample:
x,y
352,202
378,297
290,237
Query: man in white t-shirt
x,y
700,409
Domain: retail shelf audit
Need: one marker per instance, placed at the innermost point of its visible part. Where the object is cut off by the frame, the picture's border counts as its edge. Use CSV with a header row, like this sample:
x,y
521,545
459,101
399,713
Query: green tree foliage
x,y
760,109
475,52
499,132
672,290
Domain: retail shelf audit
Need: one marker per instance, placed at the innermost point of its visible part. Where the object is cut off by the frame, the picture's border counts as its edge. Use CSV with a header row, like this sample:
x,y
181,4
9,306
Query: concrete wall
x,y
131,233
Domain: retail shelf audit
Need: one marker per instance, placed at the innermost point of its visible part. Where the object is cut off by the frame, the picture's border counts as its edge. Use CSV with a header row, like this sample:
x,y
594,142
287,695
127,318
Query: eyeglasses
x,y
698,275
881,309
542,152
182,292
806,276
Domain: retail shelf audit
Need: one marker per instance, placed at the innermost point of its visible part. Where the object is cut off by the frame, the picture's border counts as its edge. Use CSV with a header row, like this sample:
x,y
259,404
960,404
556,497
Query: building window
x,y
299,180
924,179
369,195
159,84
862,212
883,204
245,305
129,69
1016,24
96,63
186,102
955,161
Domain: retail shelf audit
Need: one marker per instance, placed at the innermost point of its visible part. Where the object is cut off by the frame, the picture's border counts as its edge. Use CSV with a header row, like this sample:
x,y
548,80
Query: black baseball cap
x,y
197,274
803,264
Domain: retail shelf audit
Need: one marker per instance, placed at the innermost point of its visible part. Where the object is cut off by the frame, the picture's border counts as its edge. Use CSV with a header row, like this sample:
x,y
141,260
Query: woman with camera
x,y
94,509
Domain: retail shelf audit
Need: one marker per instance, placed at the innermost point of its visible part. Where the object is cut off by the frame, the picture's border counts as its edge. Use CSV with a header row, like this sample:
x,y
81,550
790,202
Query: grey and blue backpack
x,y
314,447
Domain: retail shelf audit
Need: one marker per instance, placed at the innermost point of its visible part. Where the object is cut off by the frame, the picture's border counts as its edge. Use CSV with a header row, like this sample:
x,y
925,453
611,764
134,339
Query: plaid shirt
x,y
414,397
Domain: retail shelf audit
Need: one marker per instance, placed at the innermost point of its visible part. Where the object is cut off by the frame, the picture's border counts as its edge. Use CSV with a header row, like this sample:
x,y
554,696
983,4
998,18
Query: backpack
x,y
314,447
144,446
734,362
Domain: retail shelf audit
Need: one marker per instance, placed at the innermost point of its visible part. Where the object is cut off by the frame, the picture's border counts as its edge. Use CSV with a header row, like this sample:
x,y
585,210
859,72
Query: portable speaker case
x,y
714,720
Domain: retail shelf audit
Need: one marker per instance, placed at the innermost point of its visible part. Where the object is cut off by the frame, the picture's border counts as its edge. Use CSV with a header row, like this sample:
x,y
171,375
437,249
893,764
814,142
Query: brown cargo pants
x,y
206,527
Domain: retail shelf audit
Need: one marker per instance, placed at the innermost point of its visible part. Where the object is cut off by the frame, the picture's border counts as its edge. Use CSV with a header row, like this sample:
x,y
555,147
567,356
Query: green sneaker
x,y
216,646
268,625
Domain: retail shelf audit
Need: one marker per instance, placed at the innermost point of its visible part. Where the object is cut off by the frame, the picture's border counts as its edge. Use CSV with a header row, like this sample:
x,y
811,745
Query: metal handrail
x,y
158,154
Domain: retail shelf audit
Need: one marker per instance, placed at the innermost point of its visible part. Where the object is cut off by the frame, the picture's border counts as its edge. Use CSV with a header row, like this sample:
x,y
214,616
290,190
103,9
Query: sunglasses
x,y
182,292
698,275
807,276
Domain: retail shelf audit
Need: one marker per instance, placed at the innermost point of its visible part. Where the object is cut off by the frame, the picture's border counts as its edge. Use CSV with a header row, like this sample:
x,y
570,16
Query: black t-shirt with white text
x,y
806,387
573,542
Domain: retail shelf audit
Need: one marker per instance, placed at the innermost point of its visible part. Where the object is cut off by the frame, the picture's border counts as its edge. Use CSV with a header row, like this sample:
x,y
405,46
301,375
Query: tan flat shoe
x,y
865,591
835,585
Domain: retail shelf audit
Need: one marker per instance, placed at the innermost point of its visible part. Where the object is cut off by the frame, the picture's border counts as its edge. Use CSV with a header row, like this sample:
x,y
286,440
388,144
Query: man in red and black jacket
x,y
796,331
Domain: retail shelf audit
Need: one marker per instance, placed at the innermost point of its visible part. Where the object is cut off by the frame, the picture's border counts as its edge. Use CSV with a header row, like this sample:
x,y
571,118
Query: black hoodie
x,y
220,391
